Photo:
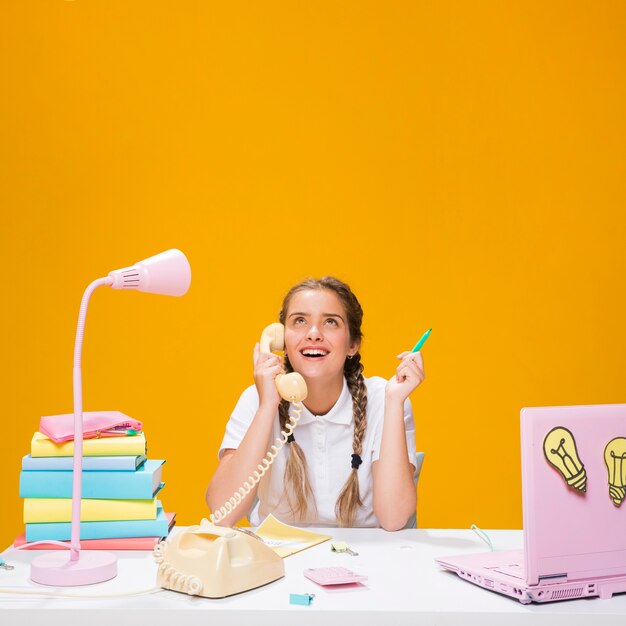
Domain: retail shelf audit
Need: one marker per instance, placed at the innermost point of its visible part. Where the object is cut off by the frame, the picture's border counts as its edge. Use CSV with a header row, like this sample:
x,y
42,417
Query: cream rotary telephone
x,y
216,561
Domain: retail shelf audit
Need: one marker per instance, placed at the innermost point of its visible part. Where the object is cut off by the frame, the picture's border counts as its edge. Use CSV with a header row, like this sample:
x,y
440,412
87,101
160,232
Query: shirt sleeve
x,y
240,420
409,431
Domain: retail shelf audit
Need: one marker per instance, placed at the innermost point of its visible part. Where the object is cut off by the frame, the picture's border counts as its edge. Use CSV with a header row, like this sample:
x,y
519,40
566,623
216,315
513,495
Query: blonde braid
x,y
349,499
298,488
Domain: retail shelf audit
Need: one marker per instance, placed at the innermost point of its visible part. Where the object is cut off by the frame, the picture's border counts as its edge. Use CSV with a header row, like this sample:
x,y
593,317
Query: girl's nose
x,y
314,333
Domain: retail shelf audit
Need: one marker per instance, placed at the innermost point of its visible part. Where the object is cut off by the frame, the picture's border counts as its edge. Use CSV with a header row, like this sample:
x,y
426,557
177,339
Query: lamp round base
x,y
57,570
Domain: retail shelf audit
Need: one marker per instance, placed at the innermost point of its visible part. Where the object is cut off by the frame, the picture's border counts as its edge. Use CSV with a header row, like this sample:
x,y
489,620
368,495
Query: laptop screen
x,y
573,478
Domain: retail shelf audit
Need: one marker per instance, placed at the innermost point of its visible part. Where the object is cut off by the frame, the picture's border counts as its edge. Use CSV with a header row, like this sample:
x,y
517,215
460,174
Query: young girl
x,y
350,459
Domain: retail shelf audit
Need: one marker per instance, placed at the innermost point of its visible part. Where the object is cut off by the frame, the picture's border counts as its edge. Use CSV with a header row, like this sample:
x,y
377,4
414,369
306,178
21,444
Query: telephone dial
x,y
216,561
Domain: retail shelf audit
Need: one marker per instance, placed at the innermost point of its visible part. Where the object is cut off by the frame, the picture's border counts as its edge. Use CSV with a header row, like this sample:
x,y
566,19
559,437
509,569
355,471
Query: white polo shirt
x,y
326,441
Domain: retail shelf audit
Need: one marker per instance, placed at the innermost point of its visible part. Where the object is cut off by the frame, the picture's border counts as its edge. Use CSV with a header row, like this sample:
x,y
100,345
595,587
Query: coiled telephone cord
x,y
237,498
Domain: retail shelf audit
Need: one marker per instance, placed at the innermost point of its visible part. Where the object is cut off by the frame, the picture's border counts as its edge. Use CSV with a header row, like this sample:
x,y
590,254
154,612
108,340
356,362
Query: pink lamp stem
x,y
77,484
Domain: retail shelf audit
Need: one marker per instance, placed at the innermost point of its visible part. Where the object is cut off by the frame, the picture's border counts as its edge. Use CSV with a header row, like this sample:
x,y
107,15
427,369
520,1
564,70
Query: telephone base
x,y
212,596
215,562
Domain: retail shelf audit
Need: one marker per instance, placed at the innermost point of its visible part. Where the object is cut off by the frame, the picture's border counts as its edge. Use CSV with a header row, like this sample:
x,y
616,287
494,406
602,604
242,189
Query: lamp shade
x,y
167,273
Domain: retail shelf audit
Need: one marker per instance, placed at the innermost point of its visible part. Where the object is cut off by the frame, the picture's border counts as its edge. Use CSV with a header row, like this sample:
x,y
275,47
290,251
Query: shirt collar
x,y
337,414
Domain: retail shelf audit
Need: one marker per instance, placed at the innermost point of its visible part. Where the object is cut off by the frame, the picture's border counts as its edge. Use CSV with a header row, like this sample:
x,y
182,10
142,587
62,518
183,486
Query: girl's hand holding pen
x,y
409,374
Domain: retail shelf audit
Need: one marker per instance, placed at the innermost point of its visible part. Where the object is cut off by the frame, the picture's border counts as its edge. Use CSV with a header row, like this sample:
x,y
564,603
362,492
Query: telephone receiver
x,y
291,387
217,561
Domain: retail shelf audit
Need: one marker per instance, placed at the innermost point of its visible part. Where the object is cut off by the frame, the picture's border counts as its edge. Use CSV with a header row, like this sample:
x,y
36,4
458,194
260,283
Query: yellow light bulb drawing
x,y
559,448
615,459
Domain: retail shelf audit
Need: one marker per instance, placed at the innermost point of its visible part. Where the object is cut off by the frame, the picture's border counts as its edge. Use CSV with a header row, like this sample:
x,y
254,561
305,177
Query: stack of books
x,y
119,506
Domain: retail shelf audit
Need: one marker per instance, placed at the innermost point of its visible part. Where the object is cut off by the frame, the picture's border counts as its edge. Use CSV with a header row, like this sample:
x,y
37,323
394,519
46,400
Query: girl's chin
x,y
317,370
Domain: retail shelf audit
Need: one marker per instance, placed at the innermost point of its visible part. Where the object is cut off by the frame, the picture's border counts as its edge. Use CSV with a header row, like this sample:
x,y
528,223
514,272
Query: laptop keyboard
x,y
512,569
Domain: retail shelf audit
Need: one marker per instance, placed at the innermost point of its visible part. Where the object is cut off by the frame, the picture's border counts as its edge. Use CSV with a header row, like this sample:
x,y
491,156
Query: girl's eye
x,y
332,321
299,320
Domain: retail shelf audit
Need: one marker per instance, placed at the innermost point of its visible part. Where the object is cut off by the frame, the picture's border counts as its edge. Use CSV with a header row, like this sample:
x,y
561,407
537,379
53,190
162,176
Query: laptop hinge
x,y
553,578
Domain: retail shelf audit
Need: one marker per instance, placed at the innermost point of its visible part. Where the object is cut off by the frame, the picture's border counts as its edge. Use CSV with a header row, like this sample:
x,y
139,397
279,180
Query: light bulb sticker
x,y
559,448
615,459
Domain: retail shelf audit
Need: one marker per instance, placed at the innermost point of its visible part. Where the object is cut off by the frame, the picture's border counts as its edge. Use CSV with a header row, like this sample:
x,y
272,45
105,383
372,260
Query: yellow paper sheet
x,y
286,540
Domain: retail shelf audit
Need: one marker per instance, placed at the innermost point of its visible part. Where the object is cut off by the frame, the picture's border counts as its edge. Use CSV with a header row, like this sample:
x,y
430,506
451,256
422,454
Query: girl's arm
x,y
236,465
395,497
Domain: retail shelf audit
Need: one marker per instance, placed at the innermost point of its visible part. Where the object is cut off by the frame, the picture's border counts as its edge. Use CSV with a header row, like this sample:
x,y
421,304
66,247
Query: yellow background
x,y
460,164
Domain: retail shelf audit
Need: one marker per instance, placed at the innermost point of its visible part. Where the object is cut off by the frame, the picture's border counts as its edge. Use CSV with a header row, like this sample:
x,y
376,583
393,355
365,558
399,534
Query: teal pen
x,y
422,341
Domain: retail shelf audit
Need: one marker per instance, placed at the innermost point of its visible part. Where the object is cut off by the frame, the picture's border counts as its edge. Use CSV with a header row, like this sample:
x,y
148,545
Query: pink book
x,y
118,543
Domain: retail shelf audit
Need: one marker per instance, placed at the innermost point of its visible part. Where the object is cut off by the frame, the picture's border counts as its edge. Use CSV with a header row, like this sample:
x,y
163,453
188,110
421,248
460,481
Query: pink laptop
x,y
573,491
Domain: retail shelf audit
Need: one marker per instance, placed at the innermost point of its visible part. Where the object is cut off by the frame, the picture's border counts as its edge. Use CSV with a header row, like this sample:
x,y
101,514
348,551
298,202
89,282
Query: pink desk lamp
x,y
169,274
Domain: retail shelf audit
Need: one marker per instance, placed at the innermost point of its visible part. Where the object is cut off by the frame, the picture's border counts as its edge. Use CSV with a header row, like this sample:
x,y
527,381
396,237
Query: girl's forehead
x,y
316,300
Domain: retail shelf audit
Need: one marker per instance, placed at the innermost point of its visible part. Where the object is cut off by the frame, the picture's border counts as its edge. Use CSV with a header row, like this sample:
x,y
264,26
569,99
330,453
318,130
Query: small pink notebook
x,y
329,576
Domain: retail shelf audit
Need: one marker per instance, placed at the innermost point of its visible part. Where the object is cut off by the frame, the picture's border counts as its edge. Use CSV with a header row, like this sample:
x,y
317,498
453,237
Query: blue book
x,y
61,531
90,463
139,485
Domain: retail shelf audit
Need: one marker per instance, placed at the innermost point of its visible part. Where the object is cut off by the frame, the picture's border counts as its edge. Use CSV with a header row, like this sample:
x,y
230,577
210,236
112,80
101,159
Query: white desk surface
x,y
405,586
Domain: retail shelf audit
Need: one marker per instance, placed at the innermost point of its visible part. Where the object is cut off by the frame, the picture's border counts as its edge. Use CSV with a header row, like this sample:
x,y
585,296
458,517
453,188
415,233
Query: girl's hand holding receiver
x,y
266,367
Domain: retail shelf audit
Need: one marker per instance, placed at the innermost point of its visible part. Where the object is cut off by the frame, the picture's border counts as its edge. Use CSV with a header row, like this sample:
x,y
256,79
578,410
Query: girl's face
x,y
317,339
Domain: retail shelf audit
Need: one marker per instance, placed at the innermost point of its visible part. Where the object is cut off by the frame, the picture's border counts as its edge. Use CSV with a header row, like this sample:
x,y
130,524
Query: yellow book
x,y
40,445
41,510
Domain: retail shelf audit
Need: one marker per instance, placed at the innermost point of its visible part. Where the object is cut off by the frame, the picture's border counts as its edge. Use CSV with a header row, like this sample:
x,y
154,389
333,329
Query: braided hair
x,y
299,493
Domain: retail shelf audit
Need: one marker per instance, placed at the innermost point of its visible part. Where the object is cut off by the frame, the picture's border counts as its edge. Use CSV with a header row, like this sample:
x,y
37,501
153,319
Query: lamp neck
x,y
82,315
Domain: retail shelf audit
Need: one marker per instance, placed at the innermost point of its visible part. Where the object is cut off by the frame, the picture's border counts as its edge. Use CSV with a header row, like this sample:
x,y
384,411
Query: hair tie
x,y
290,439
356,461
